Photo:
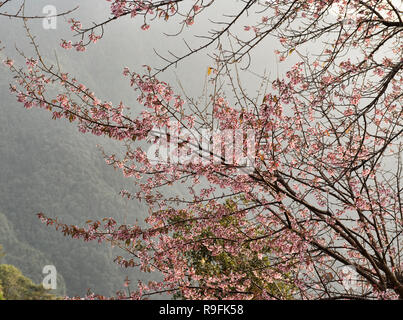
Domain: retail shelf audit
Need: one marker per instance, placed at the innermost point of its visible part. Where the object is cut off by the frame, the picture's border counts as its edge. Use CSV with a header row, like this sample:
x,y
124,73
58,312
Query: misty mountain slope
x,y
48,166
25,257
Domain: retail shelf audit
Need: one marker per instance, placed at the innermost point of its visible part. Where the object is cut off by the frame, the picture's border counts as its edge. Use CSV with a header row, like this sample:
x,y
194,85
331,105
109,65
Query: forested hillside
x,y
23,254
48,166
13,284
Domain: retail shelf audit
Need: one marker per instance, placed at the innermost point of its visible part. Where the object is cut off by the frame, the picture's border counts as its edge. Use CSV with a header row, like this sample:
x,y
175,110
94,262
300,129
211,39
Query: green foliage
x,y
24,256
1,292
15,286
246,261
2,254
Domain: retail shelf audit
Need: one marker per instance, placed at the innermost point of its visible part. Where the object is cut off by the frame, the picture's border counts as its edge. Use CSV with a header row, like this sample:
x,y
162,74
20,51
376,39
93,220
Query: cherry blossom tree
x,y
292,192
